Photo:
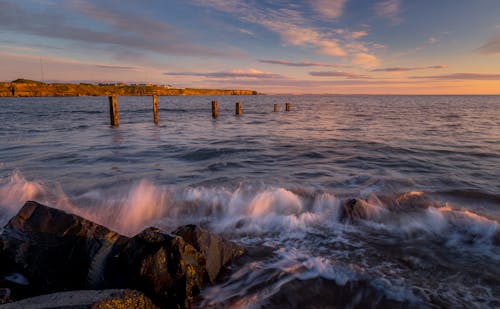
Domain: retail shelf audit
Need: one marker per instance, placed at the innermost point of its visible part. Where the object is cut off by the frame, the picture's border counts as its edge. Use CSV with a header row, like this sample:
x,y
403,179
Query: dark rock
x,y
218,251
56,250
86,299
358,209
5,295
49,250
323,293
164,266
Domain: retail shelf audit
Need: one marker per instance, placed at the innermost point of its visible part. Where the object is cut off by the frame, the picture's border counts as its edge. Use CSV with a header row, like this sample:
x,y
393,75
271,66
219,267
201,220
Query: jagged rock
x,y
218,251
56,250
103,299
163,266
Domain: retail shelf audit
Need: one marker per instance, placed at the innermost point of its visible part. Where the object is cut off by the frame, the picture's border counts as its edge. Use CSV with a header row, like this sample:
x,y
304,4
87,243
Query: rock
x,y
4,295
55,250
164,266
354,209
323,293
86,299
218,251
45,250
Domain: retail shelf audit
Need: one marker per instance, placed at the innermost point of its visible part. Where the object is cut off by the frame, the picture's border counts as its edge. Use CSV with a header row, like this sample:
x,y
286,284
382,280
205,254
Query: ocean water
x,y
426,169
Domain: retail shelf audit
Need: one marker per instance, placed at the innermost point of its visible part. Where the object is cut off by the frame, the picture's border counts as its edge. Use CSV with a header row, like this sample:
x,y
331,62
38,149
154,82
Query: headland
x,y
30,88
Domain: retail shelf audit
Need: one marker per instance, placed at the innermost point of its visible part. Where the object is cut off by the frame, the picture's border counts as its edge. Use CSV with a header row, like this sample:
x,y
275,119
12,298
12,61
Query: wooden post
x,y
287,107
239,109
215,109
155,109
113,111
275,107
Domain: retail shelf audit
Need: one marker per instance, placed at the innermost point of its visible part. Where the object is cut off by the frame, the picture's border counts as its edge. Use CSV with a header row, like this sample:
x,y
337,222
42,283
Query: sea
x,y
424,170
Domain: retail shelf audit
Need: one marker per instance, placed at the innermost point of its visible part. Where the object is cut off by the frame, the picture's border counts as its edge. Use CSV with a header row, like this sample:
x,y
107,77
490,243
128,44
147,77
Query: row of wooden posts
x,y
115,121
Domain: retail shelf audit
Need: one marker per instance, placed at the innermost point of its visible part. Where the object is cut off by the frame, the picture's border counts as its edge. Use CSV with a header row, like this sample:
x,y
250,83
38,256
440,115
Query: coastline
x,y
26,88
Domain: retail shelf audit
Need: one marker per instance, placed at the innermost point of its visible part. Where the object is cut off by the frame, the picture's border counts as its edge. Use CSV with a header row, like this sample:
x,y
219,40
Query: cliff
x,y
27,88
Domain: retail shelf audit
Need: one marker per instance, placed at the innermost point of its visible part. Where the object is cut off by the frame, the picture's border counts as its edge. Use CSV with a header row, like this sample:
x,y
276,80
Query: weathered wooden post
x,y
215,109
275,107
113,111
155,109
239,109
287,107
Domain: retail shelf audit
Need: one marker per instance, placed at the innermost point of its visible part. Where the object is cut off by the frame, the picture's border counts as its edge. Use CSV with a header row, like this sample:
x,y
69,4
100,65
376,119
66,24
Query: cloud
x,y
357,34
328,8
303,63
246,31
433,40
230,74
461,76
114,67
491,47
389,9
288,23
15,65
365,60
339,74
123,29
407,69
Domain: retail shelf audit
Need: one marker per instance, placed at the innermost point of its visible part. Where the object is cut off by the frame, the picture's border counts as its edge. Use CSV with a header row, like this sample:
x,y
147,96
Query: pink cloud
x,y
303,63
339,74
329,8
251,73
407,69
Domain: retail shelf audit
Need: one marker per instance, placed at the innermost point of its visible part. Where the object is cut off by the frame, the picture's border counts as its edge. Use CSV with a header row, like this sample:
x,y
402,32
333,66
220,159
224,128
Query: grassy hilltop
x,y
30,88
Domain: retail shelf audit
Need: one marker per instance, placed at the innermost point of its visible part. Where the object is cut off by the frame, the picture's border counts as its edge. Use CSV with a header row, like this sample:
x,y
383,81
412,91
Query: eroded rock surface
x,y
92,299
218,251
54,251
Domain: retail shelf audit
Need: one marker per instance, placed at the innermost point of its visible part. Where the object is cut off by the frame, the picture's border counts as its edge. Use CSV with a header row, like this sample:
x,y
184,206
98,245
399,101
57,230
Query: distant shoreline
x,y
29,88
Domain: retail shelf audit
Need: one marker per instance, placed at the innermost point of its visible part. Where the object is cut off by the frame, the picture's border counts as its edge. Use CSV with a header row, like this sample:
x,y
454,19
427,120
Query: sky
x,y
274,47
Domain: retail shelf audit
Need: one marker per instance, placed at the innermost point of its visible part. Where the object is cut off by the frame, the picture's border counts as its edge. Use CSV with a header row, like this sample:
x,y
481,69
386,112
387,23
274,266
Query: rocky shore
x,y
28,88
75,263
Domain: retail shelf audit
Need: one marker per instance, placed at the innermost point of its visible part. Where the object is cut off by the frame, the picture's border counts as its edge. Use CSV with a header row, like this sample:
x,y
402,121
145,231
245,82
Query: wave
x,y
254,209
368,247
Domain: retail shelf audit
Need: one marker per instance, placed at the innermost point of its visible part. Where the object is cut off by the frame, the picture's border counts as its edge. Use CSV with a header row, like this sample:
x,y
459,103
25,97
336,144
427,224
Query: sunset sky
x,y
278,46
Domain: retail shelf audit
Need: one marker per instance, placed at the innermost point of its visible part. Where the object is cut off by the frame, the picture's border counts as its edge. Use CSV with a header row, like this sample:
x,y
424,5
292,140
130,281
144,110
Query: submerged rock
x,y
218,251
52,251
323,293
354,209
375,208
86,299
